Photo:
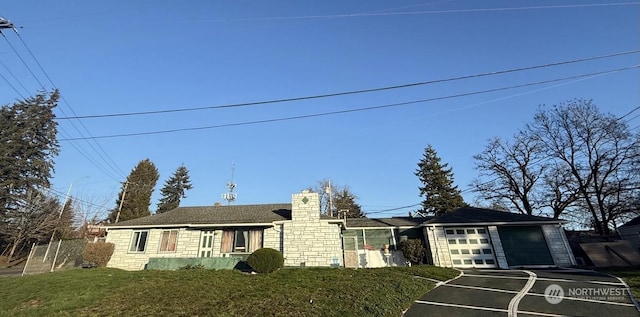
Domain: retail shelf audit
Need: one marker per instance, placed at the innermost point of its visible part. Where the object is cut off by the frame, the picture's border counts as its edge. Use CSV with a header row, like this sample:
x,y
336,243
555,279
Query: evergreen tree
x,y
137,192
173,190
28,137
440,195
345,204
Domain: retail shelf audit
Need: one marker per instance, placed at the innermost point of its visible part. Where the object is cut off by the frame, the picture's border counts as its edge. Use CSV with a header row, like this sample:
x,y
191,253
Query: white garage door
x,y
470,247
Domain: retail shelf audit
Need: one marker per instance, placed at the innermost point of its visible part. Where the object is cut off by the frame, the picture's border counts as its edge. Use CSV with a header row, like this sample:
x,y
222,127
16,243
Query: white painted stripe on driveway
x,y
482,288
587,300
513,304
499,310
578,281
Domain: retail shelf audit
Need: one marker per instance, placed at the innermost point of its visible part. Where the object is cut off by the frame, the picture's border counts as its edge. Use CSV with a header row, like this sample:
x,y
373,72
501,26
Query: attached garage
x,y
525,246
470,247
483,238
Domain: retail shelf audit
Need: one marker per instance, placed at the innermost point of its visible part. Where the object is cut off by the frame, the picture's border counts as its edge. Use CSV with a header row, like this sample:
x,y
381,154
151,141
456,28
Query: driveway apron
x,y
522,293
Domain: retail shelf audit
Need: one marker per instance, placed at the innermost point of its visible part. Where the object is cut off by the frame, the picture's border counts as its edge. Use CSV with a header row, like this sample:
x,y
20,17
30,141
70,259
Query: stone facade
x,y
498,250
558,245
438,245
122,258
306,239
309,240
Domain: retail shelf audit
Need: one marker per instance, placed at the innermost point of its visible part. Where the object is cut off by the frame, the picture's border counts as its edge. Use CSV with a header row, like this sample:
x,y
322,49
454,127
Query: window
x,y
482,231
473,241
484,240
476,251
168,239
486,251
452,241
465,251
471,231
139,241
462,241
460,231
467,262
488,261
478,261
454,251
241,240
458,262
449,231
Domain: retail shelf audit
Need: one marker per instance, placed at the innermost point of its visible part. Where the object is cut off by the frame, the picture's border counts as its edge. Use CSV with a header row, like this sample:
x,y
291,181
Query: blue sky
x,y
136,56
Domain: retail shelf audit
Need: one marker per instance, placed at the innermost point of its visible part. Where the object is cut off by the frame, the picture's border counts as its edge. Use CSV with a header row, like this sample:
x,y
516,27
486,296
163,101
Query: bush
x,y
265,260
98,253
192,267
413,250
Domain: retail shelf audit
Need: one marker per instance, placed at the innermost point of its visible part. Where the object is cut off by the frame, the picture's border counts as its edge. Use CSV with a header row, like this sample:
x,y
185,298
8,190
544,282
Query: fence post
x,y
24,269
53,264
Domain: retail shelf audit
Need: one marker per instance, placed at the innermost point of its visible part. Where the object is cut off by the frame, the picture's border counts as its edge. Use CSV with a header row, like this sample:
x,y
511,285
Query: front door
x,y
206,244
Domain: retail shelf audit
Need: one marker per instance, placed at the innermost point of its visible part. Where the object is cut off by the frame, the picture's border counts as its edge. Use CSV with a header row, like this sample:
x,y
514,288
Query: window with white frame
x,y
168,240
139,241
241,240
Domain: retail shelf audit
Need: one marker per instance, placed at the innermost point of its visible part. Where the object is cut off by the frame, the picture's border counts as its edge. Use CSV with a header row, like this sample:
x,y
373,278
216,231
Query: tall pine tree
x,y
137,192
29,144
345,204
440,195
173,190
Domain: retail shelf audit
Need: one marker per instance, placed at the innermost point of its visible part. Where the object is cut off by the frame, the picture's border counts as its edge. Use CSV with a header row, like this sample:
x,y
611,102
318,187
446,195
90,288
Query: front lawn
x,y
630,275
288,292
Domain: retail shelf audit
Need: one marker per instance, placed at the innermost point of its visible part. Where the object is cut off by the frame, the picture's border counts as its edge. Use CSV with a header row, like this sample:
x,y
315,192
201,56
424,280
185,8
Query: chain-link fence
x,y
56,256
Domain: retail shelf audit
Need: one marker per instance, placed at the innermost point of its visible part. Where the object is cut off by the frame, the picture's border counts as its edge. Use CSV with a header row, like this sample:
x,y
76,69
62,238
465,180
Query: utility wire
x,y
12,87
110,162
353,92
353,110
628,113
15,78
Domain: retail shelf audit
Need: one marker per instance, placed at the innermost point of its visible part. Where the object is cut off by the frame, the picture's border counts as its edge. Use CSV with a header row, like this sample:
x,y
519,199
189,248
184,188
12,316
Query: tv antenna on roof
x,y
230,196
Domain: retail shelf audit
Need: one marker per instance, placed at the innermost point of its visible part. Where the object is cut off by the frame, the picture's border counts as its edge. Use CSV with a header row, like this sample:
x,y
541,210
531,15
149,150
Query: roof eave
x,y
494,223
192,225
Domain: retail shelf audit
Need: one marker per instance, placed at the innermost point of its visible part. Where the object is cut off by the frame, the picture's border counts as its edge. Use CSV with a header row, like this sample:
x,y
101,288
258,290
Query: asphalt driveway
x,y
554,292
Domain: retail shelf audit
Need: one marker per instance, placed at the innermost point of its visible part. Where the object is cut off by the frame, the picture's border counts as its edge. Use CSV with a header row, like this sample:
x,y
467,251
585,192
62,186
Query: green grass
x,y
287,292
630,275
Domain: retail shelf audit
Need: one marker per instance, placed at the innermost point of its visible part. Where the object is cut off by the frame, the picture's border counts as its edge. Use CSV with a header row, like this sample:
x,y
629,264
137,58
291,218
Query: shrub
x,y
98,253
413,250
192,267
265,260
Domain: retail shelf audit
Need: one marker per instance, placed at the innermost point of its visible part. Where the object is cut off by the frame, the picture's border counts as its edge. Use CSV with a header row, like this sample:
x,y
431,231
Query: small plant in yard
x,y
413,250
192,267
265,260
98,253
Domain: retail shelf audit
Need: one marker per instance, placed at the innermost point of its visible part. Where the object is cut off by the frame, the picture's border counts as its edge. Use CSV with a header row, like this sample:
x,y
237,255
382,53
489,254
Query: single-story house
x,y
467,237
630,231
298,230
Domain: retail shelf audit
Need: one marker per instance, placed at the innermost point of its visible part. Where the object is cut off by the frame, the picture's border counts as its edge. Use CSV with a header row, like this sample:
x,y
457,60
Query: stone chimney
x,y
305,207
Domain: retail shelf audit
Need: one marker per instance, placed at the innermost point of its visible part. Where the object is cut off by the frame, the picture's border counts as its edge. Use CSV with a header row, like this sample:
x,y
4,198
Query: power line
x,y
110,162
353,92
15,78
352,110
628,113
373,14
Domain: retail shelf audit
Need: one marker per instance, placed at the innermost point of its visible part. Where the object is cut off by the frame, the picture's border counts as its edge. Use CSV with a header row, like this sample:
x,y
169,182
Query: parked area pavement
x,y
549,292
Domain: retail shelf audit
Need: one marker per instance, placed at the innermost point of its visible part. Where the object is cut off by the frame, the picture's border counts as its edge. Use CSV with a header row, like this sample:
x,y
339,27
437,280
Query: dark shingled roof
x,y
633,222
472,215
385,222
214,215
